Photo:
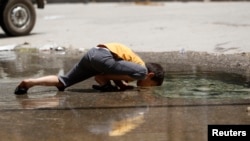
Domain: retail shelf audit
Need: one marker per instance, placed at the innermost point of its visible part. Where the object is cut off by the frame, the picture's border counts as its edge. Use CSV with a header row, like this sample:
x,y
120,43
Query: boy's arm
x,y
117,77
105,78
118,80
123,85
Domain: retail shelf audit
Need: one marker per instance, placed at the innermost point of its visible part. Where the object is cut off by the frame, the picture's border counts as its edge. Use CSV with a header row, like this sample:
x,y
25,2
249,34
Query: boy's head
x,y
154,77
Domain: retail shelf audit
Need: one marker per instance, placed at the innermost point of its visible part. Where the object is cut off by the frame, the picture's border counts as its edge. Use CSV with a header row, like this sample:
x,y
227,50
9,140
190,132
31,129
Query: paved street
x,y
180,110
216,27
199,88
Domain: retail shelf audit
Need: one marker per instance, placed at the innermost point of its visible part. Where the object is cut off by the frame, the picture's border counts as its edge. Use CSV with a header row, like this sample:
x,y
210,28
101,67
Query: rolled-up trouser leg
x,y
101,61
109,65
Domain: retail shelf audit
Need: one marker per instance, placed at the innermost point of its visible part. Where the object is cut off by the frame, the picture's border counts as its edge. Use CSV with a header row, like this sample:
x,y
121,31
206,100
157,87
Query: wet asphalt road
x,y
81,113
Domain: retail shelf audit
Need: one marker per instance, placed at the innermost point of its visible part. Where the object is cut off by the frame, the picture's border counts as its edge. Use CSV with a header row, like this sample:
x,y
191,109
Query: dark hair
x,y
158,72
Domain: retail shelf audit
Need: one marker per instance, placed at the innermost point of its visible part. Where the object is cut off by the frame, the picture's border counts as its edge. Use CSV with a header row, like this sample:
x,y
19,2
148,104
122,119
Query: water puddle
x,y
187,103
15,66
204,85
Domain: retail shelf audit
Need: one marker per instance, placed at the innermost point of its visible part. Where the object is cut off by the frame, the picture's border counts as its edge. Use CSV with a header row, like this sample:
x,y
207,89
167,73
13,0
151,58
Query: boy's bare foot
x,y
60,88
51,80
22,88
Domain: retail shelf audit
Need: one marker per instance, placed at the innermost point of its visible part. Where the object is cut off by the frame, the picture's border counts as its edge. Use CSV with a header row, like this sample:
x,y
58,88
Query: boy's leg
x,y
106,63
81,71
51,80
133,70
78,73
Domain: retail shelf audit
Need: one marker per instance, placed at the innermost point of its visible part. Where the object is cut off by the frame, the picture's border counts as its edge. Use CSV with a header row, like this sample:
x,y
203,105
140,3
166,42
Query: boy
x,y
112,61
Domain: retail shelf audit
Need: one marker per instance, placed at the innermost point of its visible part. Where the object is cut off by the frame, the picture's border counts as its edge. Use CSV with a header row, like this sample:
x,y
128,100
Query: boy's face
x,y
147,81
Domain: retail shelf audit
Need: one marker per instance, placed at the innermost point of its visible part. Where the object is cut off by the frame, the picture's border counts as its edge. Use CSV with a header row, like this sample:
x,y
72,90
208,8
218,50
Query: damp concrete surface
x,y
217,50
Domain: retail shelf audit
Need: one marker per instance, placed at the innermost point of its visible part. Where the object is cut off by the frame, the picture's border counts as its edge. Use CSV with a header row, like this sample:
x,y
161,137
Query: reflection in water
x,y
41,103
117,124
119,127
204,85
16,65
7,56
179,110
192,84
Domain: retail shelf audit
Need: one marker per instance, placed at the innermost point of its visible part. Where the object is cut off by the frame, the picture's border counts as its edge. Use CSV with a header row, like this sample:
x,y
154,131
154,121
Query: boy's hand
x,y
119,80
106,88
123,85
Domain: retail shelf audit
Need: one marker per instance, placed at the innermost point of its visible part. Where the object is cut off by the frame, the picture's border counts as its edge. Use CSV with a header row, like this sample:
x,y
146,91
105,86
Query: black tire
x,y
1,13
18,17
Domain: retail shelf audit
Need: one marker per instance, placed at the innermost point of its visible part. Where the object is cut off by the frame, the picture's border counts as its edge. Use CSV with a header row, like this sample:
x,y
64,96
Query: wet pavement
x,y
175,111
204,50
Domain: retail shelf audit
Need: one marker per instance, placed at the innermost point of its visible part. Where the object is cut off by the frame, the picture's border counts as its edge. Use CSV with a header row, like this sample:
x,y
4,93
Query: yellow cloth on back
x,y
124,53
